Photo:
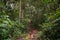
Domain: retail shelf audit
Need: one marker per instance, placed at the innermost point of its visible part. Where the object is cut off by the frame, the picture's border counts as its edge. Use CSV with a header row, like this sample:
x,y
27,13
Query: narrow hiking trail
x,y
31,35
31,32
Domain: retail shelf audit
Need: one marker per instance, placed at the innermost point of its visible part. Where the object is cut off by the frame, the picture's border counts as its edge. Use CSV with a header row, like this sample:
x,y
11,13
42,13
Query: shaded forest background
x,y
17,17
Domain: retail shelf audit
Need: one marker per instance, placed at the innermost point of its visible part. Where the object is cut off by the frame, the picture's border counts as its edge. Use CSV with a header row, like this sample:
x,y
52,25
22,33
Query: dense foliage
x,y
43,14
9,20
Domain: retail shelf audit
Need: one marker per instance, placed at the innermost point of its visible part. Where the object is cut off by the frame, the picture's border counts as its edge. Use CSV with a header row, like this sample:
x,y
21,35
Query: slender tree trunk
x,y
19,11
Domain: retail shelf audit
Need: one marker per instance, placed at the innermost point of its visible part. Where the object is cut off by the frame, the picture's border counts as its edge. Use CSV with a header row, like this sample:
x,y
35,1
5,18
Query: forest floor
x,y
31,35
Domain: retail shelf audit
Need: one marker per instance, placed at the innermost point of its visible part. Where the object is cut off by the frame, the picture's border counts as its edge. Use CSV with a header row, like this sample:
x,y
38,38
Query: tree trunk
x,y
20,11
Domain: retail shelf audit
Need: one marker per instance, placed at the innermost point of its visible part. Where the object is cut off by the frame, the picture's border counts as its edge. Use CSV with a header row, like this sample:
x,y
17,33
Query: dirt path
x,y
31,35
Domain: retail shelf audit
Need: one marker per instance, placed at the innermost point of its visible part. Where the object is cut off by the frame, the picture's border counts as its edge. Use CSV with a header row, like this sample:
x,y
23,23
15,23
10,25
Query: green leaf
x,y
1,4
45,1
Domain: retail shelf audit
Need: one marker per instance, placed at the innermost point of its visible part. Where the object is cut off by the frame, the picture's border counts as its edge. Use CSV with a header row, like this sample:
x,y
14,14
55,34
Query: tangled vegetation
x,y
44,16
